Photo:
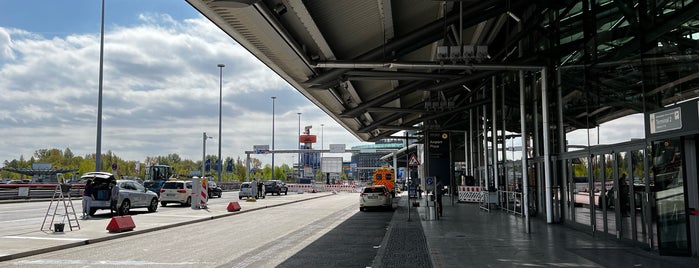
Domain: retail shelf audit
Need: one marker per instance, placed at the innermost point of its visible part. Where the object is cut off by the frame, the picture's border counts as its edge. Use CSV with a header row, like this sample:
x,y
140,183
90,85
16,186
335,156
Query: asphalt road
x,y
324,232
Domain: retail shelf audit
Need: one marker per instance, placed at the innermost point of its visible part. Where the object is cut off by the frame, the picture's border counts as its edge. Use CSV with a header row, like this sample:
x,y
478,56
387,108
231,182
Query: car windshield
x,y
173,185
245,185
374,189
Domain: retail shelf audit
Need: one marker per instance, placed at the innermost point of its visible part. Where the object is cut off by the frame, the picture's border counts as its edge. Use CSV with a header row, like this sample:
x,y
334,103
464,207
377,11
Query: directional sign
x,y
337,148
261,149
429,180
413,162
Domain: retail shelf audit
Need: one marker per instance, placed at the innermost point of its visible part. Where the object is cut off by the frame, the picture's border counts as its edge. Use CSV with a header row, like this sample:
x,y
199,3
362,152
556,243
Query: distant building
x,y
368,162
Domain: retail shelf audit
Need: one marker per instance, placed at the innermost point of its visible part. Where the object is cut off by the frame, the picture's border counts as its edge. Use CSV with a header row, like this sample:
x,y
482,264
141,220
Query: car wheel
x,y
240,198
125,207
153,205
188,202
286,192
92,211
162,204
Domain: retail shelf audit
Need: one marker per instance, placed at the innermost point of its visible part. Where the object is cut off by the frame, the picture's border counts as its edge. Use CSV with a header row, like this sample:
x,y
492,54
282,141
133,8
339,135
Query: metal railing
x,y
34,191
511,202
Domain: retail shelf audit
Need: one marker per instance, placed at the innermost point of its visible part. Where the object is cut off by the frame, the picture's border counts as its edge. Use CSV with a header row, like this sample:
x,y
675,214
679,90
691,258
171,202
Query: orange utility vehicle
x,y
385,176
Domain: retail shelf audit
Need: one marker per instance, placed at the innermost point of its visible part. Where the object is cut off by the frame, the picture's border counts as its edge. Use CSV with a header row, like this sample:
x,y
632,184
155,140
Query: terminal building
x,y
498,90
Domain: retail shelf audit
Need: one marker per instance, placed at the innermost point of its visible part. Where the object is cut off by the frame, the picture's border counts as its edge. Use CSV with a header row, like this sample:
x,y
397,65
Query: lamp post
x,y
98,152
220,101
321,140
298,146
203,154
273,98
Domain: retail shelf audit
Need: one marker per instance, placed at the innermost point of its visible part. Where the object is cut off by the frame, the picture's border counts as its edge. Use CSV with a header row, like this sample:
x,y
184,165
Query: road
x,y
323,232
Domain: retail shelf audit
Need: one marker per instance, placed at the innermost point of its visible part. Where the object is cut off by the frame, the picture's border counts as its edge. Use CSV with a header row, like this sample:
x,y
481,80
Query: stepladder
x,y
60,210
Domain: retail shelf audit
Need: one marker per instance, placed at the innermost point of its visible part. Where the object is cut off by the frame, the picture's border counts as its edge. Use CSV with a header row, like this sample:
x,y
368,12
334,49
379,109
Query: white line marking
x,y
109,263
43,238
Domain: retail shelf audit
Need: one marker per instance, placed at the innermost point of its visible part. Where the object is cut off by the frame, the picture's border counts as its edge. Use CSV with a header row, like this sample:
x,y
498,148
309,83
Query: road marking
x,y
43,238
110,263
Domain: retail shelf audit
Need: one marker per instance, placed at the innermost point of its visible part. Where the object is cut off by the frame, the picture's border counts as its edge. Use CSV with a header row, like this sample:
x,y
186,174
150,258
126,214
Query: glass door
x,y
669,191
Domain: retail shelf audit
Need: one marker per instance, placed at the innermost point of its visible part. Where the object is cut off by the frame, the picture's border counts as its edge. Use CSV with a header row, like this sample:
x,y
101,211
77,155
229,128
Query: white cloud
x,y
160,92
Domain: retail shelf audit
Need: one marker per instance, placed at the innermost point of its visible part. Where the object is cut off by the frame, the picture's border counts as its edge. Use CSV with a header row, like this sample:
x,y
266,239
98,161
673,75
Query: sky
x,y
160,85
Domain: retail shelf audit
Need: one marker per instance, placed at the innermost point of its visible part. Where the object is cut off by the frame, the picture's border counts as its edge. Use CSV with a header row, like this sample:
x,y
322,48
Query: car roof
x,y
101,175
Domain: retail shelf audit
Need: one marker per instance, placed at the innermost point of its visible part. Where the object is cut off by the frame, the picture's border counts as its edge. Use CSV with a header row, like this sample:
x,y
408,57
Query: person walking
x,y
260,189
88,196
439,191
114,199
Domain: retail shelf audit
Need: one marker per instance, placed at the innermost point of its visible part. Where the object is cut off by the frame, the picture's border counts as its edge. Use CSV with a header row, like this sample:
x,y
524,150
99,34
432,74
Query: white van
x,y
246,190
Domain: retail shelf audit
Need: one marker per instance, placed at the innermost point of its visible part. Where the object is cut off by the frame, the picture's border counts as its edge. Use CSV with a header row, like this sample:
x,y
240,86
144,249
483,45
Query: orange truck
x,y
385,176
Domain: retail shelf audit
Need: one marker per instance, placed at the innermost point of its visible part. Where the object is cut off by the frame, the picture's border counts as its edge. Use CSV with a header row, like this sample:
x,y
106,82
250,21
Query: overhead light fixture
x,y
233,3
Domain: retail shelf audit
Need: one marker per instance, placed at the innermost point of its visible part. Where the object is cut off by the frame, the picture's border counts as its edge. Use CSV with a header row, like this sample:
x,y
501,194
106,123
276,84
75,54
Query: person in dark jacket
x,y
88,196
260,189
114,199
438,195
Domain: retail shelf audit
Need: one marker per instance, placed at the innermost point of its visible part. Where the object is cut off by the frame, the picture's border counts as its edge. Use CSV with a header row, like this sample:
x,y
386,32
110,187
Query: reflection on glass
x,y
669,196
581,191
638,209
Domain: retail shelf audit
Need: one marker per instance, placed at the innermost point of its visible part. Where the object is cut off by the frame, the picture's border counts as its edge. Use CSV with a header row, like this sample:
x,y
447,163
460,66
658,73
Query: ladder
x,y
61,196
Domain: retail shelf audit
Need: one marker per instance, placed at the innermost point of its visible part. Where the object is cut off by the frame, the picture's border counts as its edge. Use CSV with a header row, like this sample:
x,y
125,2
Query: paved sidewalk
x,y
469,237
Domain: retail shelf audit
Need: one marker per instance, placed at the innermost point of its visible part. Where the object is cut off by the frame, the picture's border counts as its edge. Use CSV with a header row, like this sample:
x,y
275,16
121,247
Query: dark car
x,y
275,187
214,190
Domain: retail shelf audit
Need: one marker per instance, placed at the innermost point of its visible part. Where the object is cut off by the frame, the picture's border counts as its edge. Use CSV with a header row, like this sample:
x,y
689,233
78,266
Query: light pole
x,y
273,98
321,140
219,163
298,146
98,152
203,154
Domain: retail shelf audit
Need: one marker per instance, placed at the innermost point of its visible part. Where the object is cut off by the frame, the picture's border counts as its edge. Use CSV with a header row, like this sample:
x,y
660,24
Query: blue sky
x,y
161,84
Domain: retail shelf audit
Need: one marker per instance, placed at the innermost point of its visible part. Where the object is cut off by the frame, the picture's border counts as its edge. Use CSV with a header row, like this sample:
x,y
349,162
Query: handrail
x,y
34,190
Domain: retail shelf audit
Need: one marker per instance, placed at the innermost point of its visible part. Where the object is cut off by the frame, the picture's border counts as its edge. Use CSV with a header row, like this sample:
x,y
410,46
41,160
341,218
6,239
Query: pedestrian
x,y
88,196
438,195
114,199
419,191
260,188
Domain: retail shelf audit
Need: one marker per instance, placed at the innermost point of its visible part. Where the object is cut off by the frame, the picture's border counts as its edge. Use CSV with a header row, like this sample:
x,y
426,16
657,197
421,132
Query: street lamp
x,y
321,139
220,101
203,154
273,98
298,146
98,153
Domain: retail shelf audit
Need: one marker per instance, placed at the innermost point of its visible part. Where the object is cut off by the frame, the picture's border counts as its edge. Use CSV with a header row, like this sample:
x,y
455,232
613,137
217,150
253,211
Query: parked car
x,y
275,187
375,196
246,190
214,190
176,192
131,194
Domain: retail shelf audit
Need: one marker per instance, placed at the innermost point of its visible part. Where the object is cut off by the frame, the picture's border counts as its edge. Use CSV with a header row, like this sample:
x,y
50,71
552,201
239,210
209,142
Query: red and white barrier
x,y
310,188
470,194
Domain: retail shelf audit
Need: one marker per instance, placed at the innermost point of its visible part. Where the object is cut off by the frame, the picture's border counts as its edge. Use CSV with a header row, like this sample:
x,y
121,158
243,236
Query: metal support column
x,y
523,128
547,152
494,133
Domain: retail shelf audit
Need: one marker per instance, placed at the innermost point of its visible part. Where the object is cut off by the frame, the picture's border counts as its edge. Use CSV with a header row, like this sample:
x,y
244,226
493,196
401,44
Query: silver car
x,y
131,194
375,196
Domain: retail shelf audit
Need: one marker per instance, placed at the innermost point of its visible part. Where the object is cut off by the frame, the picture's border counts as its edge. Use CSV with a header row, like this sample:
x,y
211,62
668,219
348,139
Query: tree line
x,y
231,170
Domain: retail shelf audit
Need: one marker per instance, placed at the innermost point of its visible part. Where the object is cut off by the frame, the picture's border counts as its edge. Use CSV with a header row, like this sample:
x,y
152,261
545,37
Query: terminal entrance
x,y
607,193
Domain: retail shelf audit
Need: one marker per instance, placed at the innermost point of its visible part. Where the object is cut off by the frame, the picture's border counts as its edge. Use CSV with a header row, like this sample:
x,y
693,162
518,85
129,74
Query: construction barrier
x,y
470,194
313,188
121,223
